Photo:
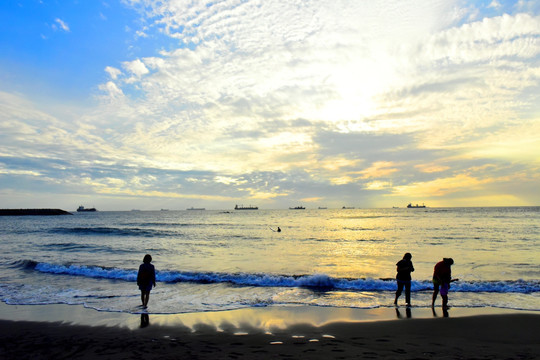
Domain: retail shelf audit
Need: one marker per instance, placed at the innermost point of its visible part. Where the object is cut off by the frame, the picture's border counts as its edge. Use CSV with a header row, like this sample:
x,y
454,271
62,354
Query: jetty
x,y
33,212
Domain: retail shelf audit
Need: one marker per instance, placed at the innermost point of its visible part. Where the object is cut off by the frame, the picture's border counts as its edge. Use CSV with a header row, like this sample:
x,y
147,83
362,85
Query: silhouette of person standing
x,y
146,278
403,277
442,277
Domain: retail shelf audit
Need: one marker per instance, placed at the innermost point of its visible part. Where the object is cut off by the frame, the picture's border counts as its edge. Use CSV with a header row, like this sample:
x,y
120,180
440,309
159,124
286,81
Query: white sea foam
x,y
316,281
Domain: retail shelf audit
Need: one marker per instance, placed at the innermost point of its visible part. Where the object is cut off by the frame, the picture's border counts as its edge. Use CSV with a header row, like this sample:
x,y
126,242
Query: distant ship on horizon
x,y
411,206
83,209
194,208
242,207
297,208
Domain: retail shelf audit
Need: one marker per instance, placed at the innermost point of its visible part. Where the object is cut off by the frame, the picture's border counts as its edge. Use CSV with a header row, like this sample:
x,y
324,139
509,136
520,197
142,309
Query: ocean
x,y
210,260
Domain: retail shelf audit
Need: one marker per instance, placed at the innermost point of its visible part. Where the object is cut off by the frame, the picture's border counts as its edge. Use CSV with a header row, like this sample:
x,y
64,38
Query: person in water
x,y
442,277
146,279
403,277
278,229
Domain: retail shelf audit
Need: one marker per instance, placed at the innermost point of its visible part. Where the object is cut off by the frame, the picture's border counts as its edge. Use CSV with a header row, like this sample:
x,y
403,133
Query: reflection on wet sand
x,y
408,313
444,311
145,320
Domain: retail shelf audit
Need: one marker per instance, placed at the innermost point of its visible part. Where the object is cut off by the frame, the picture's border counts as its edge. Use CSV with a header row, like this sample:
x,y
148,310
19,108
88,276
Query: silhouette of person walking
x,y
146,278
442,277
403,277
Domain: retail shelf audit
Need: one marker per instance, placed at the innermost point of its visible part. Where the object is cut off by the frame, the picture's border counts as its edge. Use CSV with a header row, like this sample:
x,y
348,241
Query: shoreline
x,y
65,331
253,317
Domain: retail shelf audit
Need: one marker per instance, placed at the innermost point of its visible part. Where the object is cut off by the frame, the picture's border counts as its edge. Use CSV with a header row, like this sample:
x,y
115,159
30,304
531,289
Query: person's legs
x,y
145,296
435,293
408,293
399,290
444,294
444,301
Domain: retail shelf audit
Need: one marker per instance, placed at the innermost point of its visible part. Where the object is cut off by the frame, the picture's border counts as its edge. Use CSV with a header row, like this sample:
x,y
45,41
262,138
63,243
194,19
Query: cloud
x,y
368,92
113,72
431,168
63,26
379,169
378,185
494,4
440,187
323,100
136,67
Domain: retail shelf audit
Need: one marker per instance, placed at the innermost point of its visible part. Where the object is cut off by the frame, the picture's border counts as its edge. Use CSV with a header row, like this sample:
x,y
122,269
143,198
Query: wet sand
x,y
265,333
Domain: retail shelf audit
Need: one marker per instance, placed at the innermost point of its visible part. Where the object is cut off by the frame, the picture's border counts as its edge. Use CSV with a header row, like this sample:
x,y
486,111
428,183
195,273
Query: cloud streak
x,y
60,24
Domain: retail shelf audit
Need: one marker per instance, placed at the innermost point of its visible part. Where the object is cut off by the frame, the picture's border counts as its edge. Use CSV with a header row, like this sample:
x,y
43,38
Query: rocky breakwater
x,y
38,212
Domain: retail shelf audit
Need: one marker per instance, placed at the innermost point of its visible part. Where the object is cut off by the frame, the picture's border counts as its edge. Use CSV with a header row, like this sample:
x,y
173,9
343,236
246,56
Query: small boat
x,y
411,206
242,207
348,207
83,209
297,208
193,208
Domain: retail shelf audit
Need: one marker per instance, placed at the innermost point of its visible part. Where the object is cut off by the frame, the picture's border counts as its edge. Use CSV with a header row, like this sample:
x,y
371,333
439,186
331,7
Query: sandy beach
x,y
87,334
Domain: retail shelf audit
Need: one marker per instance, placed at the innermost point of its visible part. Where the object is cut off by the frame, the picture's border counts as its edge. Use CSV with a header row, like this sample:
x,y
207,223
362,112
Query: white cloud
x,y
494,4
136,67
113,72
491,38
111,89
62,25
333,64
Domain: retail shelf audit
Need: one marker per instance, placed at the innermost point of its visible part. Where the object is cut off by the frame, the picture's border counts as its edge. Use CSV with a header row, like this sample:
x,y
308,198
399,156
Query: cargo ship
x,y
83,209
242,207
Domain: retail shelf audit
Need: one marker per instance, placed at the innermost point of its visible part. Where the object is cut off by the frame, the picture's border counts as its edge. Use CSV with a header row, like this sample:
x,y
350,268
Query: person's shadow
x,y
145,320
408,313
444,310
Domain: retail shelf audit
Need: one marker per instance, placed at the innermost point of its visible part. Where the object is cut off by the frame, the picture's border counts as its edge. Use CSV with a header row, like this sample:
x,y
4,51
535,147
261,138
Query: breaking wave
x,y
320,282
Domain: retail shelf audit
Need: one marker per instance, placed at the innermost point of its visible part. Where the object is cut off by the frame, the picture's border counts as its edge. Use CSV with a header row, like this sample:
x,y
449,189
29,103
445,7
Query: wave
x,y
74,247
320,282
23,264
112,231
176,224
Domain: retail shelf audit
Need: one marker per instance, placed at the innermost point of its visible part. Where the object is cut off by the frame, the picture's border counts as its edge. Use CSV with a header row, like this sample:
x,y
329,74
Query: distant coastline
x,y
34,212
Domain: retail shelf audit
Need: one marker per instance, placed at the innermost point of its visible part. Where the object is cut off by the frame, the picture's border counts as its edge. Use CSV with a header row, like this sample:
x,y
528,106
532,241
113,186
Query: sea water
x,y
224,260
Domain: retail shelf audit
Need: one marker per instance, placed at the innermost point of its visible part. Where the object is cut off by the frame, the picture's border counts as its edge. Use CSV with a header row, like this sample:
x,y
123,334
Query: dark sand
x,y
511,335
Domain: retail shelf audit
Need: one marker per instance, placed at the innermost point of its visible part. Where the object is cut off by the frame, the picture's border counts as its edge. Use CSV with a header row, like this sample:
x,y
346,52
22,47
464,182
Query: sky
x,y
143,104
